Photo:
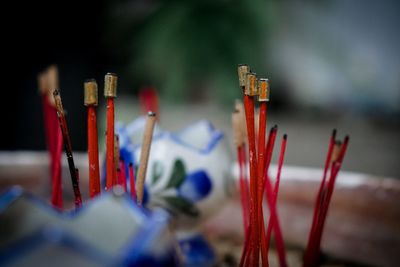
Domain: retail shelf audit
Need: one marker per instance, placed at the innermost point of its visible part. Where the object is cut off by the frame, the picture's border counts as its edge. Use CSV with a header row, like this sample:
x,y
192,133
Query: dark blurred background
x,y
331,63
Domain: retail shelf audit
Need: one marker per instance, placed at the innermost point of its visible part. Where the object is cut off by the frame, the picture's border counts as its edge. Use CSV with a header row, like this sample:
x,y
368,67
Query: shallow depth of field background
x,y
332,64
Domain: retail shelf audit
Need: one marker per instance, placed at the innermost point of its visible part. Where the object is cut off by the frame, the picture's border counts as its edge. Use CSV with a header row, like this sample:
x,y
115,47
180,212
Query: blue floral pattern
x,y
189,188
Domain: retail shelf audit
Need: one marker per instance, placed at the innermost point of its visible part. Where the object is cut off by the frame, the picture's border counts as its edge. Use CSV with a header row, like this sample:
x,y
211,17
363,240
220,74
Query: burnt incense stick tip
x,y
243,69
151,114
90,93
56,92
334,131
285,136
263,90
110,85
130,164
251,84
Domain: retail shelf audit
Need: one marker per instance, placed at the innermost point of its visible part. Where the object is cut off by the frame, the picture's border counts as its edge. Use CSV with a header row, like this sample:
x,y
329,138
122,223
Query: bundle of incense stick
x,y
48,82
333,163
257,238
58,133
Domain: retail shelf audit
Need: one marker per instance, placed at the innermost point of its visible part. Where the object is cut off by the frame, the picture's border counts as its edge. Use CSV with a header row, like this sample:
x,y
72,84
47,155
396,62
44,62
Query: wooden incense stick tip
x,y
243,69
52,75
237,126
57,101
251,84
110,85
240,108
90,93
144,155
263,90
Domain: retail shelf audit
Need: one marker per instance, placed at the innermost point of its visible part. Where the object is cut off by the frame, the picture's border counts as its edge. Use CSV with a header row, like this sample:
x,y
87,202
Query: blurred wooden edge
x,y
363,223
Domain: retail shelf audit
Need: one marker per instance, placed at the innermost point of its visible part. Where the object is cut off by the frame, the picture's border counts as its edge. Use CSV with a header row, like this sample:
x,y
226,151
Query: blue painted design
x,y
146,196
140,251
196,186
197,251
42,204
9,196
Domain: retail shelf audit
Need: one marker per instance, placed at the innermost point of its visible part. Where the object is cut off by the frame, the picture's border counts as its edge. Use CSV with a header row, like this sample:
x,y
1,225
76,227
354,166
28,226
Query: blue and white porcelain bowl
x,y
110,230
188,174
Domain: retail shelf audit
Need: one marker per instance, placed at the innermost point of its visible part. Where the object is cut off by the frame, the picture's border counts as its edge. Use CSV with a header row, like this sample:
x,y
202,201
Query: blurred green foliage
x,y
189,50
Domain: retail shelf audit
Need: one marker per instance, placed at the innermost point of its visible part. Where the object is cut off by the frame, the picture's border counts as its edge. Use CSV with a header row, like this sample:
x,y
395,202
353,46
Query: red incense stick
x,y
280,245
68,148
123,174
132,181
312,235
148,100
110,92
337,159
263,98
56,192
91,102
238,137
47,82
336,154
116,159
276,188
250,92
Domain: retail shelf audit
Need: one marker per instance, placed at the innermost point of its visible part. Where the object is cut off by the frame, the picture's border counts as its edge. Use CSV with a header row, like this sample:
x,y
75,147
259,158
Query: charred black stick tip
x,y
274,128
338,142
285,136
151,114
130,164
56,92
118,169
346,138
334,132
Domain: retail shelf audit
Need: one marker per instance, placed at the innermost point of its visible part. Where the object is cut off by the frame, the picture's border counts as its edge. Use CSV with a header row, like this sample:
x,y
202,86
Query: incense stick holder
x,y
32,233
188,175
